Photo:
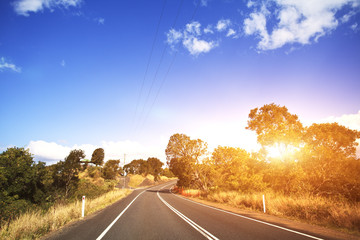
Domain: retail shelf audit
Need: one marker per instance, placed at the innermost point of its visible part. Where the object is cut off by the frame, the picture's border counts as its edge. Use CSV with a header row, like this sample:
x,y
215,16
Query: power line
x,y
170,66
149,60
161,60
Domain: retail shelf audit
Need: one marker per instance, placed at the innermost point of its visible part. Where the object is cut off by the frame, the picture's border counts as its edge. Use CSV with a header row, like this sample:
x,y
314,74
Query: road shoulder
x,y
283,222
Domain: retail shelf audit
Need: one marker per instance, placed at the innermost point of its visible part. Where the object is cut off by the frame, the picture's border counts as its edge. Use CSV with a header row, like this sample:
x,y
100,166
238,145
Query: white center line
x,y
186,219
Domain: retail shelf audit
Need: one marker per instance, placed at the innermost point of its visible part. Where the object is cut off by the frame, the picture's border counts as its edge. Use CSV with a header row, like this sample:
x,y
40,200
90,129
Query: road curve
x,y
156,213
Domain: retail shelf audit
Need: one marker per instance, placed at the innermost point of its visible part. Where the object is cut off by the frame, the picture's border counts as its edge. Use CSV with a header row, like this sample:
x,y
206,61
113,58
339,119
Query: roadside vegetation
x,y
35,224
36,199
306,173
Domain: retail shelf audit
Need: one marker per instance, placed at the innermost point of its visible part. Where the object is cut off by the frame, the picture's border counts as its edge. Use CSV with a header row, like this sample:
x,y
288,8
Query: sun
x,y
281,151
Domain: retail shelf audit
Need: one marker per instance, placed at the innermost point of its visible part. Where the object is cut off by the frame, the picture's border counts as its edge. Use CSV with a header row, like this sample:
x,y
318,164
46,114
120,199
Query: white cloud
x,y
223,24
52,152
24,7
4,65
208,29
100,21
354,27
351,121
196,46
231,32
173,36
347,16
193,29
204,3
296,21
190,39
63,63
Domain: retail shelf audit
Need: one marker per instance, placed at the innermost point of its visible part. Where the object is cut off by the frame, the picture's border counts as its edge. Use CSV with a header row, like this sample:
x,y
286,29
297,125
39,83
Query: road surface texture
x,y
156,213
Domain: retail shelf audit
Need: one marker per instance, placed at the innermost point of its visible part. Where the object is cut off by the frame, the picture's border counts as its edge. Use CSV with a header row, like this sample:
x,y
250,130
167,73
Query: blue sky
x,y
87,74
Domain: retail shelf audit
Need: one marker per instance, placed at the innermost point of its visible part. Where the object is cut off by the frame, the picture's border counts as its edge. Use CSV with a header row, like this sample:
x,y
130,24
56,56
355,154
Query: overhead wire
x,y
160,62
169,68
149,59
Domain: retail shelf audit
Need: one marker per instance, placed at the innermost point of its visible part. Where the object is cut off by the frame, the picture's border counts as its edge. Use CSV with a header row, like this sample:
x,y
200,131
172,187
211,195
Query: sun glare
x,y
280,151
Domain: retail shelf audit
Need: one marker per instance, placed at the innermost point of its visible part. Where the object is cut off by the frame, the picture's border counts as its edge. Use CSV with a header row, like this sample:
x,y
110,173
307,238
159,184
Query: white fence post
x,y
83,207
264,203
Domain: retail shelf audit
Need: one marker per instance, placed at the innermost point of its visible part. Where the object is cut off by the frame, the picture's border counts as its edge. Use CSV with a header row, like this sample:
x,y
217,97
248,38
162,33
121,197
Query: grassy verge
x,y
33,225
331,213
136,180
141,181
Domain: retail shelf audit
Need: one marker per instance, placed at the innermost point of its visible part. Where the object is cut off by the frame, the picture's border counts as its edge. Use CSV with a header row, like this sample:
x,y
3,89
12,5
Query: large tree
x,y
183,157
275,127
111,169
137,166
234,169
155,165
21,182
329,159
66,172
97,157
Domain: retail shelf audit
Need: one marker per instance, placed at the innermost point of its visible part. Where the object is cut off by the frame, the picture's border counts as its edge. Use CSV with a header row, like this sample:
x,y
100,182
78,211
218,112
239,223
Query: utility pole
x,y
124,170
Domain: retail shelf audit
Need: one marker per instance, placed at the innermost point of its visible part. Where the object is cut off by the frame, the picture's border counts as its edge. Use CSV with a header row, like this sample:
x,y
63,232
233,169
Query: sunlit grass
x,y
141,181
33,225
136,180
309,209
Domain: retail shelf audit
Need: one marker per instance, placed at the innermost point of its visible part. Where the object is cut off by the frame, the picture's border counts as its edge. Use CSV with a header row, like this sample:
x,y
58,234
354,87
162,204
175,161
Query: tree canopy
x,y
183,158
98,156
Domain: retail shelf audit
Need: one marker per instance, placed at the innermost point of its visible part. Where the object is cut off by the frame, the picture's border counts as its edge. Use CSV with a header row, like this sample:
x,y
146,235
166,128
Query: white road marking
x,y
252,219
186,219
117,218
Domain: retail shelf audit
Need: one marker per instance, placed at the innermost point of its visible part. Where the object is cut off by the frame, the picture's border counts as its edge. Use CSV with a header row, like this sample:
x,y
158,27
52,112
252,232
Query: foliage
x,y
183,158
98,156
111,169
233,170
21,182
276,127
167,173
140,166
154,165
329,159
36,223
66,172
319,160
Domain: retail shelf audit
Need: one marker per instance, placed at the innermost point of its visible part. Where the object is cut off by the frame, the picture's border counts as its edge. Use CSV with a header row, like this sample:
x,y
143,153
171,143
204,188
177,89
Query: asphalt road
x,y
155,213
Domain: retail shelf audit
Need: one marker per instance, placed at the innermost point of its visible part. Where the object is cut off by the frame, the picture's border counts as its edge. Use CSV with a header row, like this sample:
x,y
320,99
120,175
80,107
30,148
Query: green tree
x,y
111,169
21,182
66,172
155,165
183,158
137,166
98,156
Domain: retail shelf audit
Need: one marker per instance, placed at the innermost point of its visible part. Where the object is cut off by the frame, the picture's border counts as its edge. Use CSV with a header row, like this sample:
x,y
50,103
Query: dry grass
x,y
316,210
136,180
141,181
33,225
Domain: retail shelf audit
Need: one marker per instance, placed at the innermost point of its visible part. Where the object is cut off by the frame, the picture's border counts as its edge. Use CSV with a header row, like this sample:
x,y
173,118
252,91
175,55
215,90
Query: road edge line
x,y
117,218
252,219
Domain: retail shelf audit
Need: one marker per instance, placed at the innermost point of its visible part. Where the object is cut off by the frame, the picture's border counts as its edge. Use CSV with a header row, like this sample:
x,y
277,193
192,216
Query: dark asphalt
x,y
149,218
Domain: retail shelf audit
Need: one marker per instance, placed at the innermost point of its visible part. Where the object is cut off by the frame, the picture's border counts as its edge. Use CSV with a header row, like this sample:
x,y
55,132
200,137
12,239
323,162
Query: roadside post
x,y
264,203
124,172
83,207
